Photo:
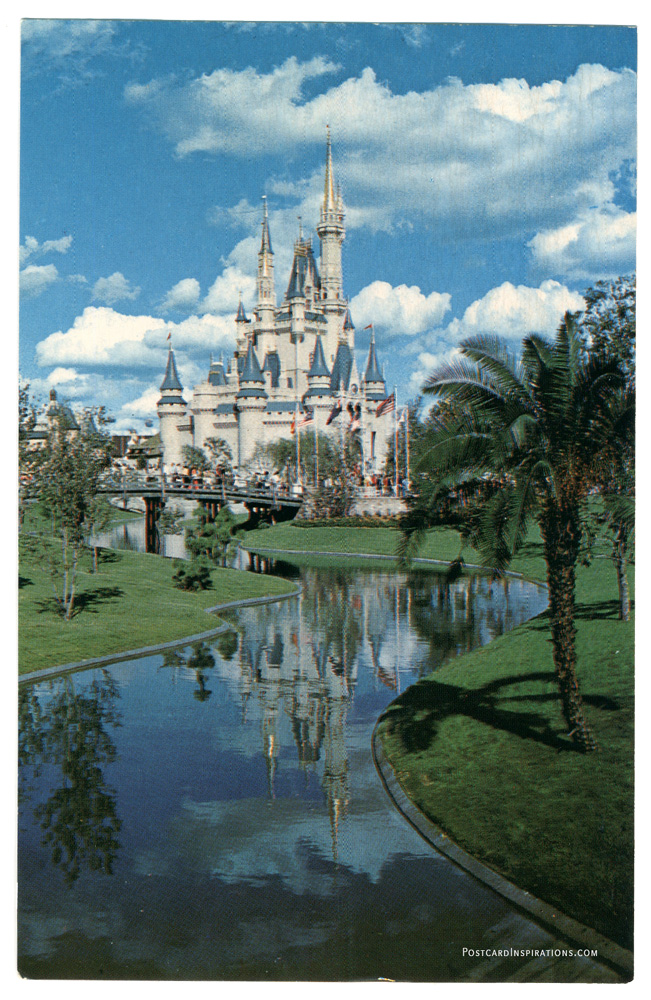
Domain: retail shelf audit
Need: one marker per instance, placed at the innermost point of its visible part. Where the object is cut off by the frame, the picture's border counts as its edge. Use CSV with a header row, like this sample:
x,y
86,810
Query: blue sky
x,y
488,174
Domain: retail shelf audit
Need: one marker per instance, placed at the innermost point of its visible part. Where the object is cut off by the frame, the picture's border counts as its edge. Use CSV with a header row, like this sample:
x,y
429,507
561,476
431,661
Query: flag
x,y
334,412
403,415
169,335
369,327
386,406
292,429
308,416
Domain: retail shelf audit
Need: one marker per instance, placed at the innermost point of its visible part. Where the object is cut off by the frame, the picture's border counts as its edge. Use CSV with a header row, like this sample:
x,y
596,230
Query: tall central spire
x,y
331,233
329,201
265,283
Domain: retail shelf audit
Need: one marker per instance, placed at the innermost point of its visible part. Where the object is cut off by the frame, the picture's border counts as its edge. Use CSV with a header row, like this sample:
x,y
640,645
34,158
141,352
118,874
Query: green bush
x,y
193,575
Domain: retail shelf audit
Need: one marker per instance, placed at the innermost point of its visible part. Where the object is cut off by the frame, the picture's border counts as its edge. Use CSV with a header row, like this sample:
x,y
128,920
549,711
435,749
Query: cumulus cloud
x,y
599,244
115,288
515,311
183,297
224,294
102,336
35,278
481,158
209,112
400,310
32,247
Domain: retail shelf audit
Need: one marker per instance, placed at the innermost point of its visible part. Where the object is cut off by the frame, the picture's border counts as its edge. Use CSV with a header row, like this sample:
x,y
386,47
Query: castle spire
x,y
265,282
329,201
265,246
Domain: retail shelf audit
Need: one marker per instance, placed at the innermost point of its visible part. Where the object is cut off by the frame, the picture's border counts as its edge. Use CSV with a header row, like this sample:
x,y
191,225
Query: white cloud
x,y
515,311
102,336
478,159
35,278
401,310
600,244
115,288
31,246
184,296
224,294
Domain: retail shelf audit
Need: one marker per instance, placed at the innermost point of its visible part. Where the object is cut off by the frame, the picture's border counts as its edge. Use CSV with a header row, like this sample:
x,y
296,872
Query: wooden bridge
x,y
269,505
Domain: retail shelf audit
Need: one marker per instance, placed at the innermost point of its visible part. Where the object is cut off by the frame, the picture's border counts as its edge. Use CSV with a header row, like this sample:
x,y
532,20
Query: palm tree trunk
x,y
619,557
561,543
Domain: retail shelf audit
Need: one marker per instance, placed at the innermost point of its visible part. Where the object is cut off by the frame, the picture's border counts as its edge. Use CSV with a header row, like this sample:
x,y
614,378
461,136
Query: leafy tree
x,y
608,325
195,458
220,453
608,322
66,474
212,538
533,430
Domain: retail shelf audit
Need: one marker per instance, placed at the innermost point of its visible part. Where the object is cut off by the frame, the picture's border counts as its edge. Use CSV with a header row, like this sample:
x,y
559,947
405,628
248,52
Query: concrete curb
x,y
132,654
609,953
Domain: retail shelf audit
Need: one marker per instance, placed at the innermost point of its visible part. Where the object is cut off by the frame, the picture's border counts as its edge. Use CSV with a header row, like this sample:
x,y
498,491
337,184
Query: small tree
x,y
195,458
220,453
212,539
66,477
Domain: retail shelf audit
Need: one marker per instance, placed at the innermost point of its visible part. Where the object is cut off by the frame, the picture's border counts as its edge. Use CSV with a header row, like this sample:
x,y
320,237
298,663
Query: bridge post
x,y
153,507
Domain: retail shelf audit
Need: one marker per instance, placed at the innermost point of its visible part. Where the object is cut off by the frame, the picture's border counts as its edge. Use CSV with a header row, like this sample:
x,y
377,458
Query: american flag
x,y
386,406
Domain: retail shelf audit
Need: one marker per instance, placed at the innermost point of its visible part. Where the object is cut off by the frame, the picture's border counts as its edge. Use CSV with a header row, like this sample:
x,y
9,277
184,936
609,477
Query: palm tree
x,y
526,436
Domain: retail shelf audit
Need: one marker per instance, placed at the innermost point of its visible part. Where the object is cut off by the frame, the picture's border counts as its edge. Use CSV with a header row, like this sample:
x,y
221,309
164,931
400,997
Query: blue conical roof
x,y
241,315
318,366
348,322
171,379
251,371
341,368
373,373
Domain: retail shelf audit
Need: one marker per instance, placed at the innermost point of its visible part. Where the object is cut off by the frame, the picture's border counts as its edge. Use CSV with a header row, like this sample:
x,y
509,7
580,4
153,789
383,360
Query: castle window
x,y
290,383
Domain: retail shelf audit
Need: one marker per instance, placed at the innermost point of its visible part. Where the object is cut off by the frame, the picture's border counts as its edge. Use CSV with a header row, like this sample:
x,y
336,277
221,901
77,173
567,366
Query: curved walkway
x,y
132,654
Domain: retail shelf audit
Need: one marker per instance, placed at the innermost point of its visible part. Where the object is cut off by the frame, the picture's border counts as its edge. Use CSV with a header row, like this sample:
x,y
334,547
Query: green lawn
x,y
440,543
130,603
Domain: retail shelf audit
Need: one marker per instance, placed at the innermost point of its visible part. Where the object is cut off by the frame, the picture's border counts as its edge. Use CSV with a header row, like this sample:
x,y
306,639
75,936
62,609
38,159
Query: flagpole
x,y
316,453
296,428
361,432
407,444
395,436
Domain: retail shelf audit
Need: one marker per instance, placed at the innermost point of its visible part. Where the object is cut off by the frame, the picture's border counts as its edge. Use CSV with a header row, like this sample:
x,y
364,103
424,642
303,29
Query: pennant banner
x,y
334,413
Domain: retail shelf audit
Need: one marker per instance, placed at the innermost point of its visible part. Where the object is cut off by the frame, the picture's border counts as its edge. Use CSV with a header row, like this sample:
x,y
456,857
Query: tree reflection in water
x,y
70,731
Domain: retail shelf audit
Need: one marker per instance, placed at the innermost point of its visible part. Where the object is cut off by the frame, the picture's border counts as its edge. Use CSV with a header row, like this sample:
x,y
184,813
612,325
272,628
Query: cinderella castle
x,y
294,364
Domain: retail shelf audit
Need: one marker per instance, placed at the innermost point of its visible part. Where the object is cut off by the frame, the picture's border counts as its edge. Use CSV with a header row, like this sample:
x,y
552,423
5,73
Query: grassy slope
x,y
130,603
440,543
479,744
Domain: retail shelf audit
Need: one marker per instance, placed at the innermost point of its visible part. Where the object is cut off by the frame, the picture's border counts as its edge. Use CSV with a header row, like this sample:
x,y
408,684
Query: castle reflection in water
x,y
296,666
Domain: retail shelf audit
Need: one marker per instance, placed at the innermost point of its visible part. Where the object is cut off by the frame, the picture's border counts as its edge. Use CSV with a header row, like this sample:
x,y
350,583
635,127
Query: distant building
x,y
291,362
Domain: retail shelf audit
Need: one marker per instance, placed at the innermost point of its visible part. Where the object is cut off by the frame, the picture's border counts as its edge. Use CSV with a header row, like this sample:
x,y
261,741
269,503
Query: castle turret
x,y
172,412
251,402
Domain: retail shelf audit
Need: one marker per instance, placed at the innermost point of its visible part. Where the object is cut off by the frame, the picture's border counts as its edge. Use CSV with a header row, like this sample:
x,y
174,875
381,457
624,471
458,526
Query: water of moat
x,y
214,812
